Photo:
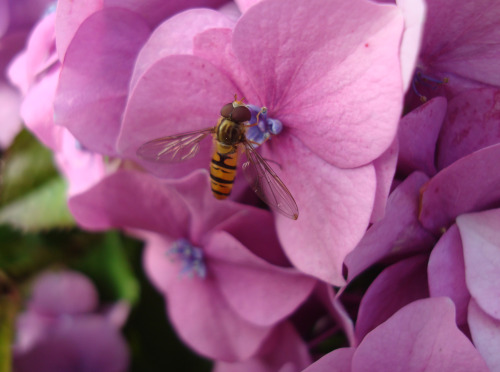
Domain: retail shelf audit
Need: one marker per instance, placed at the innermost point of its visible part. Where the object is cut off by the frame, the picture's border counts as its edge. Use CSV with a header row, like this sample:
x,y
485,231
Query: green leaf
x,y
32,194
27,164
8,309
42,208
107,264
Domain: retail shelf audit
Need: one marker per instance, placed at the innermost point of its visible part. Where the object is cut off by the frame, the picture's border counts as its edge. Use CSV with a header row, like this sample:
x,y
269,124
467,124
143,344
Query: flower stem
x,y
8,309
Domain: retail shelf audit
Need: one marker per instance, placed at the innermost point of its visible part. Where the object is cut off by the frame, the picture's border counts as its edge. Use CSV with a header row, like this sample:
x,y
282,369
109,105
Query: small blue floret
x,y
266,126
191,258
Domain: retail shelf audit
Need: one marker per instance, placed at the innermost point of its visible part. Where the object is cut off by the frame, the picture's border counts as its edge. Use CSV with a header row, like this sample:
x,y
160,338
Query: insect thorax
x,y
229,133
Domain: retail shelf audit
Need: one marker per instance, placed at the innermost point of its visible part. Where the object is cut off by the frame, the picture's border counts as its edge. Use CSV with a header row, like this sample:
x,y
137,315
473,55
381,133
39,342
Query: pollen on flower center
x,y
191,258
266,126
422,80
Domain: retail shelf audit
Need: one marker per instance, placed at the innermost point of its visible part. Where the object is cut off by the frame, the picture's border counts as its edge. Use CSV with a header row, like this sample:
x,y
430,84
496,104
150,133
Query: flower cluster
x,y
382,120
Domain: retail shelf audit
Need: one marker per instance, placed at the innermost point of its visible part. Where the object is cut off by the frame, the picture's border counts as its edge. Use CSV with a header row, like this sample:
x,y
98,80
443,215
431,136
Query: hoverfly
x,y
229,135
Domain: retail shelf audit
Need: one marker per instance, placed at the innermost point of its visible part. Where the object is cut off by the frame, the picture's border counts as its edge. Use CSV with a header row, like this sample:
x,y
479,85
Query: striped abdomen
x,y
223,169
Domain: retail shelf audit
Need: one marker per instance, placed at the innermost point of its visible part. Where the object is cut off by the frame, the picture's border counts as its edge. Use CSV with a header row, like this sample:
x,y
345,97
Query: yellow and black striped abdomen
x,y
223,169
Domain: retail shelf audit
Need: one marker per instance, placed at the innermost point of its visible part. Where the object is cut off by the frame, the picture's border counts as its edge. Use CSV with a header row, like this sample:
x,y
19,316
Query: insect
x,y
229,135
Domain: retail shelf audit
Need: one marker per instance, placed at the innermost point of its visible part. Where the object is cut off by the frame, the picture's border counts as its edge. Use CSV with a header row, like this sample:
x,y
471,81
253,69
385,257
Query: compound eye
x,y
241,114
226,110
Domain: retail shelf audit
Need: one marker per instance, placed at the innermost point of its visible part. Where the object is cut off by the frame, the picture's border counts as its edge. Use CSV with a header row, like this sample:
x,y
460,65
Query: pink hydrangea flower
x,y
61,329
421,336
316,85
219,264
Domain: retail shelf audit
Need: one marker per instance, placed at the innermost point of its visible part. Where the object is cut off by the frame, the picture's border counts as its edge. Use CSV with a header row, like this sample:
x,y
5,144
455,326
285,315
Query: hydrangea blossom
x,y
61,329
219,264
182,76
421,336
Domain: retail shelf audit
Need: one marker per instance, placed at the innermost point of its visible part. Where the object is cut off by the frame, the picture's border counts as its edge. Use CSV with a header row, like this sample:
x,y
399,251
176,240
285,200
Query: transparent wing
x,y
267,185
173,149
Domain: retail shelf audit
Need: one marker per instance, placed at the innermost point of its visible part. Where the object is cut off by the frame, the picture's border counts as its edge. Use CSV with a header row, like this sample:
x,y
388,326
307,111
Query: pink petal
x,y
334,209
463,45
471,124
324,97
414,15
214,45
65,292
244,5
446,272
481,241
110,204
422,336
338,360
81,168
385,167
38,113
398,233
175,36
37,56
460,188
208,325
88,341
418,135
156,109
397,286
283,351
259,292
9,115
485,332
91,96
154,11
69,16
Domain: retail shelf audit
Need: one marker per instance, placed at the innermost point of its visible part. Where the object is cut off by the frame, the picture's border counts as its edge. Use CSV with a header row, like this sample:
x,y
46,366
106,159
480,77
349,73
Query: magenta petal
x,y
134,200
399,232
199,312
317,70
259,292
283,351
422,336
69,16
61,293
418,134
485,332
338,360
383,298
385,167
175,36
446,272
463,45
481,241
91,96
334,209
4,17
158,107
88,342
154,11
471,123
462,187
